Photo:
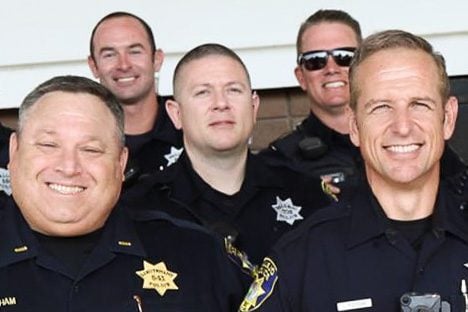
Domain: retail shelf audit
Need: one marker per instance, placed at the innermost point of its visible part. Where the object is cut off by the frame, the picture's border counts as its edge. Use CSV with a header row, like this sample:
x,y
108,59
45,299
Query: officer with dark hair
x,y
217,182
400,243
68,246
125,59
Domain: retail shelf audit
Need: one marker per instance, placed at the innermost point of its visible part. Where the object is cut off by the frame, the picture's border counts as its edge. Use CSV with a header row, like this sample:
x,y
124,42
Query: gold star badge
x,y
158,277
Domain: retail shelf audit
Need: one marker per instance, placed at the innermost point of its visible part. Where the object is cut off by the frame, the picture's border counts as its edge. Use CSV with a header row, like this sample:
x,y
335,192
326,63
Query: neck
x,y
407,201
224,173
140,117
336,119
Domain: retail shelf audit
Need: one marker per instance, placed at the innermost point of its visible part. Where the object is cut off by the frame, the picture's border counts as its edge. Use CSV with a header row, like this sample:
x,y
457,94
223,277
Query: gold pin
x,y
124,243
21,249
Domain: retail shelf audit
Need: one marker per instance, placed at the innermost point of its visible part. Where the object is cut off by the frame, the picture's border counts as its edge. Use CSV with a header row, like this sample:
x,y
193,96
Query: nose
x,y
68,163
331,66
123,62
220,101
402,122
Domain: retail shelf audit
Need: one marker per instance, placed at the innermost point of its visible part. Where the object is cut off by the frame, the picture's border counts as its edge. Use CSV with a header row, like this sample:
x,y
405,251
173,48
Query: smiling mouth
x,y
66,189
334,84
125,79
402,149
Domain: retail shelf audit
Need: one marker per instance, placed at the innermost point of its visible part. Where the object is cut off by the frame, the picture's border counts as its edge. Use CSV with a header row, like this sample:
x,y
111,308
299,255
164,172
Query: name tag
x,y
354,304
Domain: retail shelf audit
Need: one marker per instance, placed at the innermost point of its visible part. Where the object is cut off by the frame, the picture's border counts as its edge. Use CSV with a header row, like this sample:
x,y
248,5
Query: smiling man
x,y
125,59
66,243
402,234
217,182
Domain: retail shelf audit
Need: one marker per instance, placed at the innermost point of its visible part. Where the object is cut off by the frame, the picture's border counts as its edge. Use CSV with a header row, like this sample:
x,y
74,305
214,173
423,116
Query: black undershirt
x,y
413,230
72,252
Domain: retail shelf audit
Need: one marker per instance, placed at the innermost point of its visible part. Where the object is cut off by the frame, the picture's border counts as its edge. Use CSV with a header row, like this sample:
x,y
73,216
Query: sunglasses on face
x,y
315,60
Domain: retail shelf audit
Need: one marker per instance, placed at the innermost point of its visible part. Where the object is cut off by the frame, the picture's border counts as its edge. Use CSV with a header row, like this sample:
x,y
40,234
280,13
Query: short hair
x,y
202,51
74,84
328,16
394,39
118,14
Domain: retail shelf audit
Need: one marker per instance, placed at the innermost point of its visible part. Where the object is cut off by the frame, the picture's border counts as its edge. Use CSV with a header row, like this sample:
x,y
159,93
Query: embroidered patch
x,y
5,181
286,211
173,155
158,277
262,287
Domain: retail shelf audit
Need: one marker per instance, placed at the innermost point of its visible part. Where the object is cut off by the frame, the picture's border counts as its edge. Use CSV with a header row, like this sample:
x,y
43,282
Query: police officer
x,y
320,145
217,182
124,57
65,244
400,243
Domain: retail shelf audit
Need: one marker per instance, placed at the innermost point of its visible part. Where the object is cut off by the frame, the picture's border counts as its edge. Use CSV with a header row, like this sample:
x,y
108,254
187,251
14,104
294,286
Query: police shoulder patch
x,y
262,287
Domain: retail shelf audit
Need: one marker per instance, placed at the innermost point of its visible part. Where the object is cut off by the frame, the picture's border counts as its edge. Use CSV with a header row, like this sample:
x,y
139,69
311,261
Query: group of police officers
x,y
123,200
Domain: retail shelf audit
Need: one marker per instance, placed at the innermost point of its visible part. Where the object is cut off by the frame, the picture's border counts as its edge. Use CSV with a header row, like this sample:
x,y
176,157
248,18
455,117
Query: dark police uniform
x,y
153,151
5,189
151,264
315,149
269,203
349,257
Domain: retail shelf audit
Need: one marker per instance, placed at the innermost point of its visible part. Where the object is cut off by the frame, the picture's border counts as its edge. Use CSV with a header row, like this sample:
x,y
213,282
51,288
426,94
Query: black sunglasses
x,y
315,60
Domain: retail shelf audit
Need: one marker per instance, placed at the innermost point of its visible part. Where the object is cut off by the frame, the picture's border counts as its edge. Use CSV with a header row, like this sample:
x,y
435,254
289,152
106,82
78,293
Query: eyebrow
x,y
412,99
110,49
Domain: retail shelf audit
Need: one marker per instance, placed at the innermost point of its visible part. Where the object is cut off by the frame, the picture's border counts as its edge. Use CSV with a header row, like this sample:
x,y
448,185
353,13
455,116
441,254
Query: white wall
x,y
44,38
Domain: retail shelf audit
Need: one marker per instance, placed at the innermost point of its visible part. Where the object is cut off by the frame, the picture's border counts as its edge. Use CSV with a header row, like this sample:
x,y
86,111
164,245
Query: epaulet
x,y
288,143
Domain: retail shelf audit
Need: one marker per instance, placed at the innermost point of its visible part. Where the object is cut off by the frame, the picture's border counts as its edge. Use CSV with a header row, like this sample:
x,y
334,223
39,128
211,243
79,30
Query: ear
x,y
300,77
93,67
450,116
353,129
123,161
255,104
158,60
173,110
13,145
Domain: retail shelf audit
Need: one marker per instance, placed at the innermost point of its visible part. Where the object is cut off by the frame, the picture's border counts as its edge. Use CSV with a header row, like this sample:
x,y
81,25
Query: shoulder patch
x,y
262,287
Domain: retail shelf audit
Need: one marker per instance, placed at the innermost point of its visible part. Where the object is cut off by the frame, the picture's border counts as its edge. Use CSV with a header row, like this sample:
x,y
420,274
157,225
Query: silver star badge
x,y
173,155
286,211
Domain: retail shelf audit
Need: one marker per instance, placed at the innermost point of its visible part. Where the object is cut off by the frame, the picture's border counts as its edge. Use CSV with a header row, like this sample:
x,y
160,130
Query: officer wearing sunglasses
x,y
320,145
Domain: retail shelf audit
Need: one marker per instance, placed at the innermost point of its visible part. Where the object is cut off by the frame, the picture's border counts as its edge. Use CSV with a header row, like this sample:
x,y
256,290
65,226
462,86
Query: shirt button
x,y
76,289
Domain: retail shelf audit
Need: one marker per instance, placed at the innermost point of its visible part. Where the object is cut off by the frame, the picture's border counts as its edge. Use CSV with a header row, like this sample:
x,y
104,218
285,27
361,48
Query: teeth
x,y
66,189
126,79
335,84
403,148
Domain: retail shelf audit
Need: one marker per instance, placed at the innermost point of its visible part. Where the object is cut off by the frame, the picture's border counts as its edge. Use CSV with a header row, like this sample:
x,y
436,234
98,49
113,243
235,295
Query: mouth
x,y
222,123
403,149
125,79
334,84
66,189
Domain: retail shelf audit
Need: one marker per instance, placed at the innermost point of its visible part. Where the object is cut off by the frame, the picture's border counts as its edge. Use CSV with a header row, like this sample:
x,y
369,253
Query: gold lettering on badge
x,y
158,277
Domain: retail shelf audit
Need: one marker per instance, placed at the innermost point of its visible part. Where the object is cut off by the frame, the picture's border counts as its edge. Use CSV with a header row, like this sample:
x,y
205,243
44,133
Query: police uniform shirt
x,y
154,151
338,156
349,257
269,203
152,264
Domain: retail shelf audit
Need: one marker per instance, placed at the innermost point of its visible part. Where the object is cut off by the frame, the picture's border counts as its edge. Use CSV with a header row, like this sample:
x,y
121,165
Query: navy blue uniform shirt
x,y
348,257
269,203
155,262
154,151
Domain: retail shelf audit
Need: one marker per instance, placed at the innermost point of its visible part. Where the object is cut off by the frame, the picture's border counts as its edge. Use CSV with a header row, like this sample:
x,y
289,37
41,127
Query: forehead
x,y
213,69
405,71
56,107
120,29
327,36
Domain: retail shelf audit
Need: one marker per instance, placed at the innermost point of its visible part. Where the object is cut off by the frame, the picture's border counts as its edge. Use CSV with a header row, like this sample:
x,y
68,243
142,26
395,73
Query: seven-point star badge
x,y
158,277
286,211
173,155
